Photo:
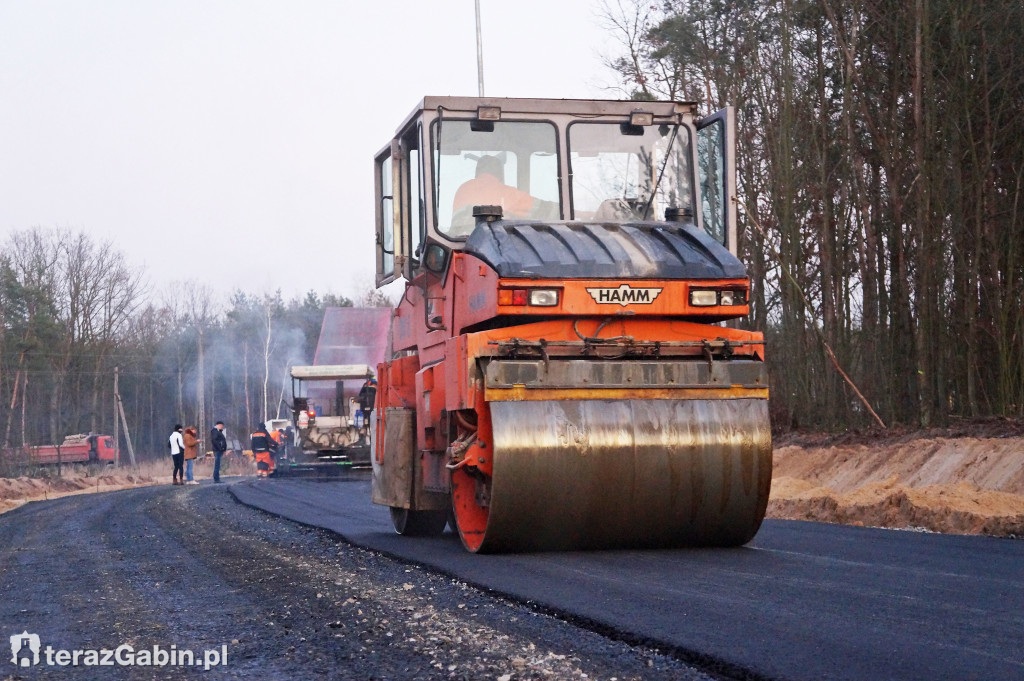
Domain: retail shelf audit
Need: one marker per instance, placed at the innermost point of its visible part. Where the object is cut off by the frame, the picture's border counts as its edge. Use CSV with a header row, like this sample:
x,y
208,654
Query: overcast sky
x,y
231,142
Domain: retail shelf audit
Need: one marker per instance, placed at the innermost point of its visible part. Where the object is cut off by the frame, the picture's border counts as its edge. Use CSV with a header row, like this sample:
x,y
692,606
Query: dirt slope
x,y
964,485
79,479
16,491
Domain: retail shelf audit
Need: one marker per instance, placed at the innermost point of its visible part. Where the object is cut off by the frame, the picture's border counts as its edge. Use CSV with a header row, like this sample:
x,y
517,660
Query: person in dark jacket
x,y
263,449
367,396
220,445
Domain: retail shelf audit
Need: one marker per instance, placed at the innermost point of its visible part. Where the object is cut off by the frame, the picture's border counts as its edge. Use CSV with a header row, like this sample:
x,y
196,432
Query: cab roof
x,y
535,106
332,372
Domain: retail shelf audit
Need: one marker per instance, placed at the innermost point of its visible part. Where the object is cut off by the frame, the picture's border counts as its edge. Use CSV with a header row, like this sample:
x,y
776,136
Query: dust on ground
x,y
967,479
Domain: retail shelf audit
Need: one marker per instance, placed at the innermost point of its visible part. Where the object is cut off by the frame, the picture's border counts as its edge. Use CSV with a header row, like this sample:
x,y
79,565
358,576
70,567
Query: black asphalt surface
x,y
802,601
189,568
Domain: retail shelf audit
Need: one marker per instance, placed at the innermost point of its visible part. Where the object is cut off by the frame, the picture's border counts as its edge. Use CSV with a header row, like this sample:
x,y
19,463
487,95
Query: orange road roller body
x,y
566,379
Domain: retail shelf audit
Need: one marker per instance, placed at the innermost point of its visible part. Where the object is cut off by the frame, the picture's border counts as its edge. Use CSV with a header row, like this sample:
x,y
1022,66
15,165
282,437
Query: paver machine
x,y
332,425
562,372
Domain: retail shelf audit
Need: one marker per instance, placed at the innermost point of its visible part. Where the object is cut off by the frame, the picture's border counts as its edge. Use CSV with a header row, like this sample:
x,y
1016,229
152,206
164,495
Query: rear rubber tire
x,y
418,523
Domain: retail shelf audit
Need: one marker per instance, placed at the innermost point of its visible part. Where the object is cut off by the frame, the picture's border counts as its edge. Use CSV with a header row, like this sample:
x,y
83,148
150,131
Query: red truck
x,y
84,448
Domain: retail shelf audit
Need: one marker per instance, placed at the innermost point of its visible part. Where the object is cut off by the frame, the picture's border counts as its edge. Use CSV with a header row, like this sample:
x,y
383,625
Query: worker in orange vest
x,y
281,438
263,450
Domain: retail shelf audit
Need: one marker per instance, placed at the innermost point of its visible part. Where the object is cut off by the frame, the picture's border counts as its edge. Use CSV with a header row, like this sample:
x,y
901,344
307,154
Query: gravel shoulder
x,y
190,567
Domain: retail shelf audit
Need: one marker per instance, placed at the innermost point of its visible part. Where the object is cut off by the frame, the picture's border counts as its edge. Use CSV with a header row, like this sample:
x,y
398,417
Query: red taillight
x,y
534,297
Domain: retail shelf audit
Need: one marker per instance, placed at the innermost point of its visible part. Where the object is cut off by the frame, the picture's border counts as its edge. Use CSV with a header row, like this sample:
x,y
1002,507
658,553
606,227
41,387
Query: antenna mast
x,y
479,51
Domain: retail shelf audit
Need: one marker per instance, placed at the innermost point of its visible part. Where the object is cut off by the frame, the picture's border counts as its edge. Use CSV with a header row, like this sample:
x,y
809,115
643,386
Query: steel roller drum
x,y
627,473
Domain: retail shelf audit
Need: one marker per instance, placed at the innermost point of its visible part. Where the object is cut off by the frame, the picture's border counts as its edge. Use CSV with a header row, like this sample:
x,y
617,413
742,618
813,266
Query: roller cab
x,y
565,374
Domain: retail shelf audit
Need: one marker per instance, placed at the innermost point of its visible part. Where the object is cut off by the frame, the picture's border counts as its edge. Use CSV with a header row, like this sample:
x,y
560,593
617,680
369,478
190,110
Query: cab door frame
x,y
390,254
400,192
717,132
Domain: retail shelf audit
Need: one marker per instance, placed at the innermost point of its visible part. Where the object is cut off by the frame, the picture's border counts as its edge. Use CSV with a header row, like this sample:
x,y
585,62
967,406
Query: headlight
x,y
733,298
703,298
716,297
543,297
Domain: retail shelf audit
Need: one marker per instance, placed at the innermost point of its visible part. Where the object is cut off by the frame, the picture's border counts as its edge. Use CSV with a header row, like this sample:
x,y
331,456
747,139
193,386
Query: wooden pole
x,y
127,435
124,423
117,438
201,394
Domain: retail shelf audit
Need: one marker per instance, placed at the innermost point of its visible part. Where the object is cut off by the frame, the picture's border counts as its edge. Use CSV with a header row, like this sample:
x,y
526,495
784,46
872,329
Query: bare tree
x,y
882,147
201,313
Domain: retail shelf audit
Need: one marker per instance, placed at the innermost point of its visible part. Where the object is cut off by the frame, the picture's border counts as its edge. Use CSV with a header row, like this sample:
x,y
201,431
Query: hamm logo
x,y
624,295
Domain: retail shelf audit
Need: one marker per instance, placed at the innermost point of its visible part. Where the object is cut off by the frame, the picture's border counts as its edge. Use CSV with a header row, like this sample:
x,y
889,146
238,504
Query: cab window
x,y
413,195
385,214
622,173
509,164
711,162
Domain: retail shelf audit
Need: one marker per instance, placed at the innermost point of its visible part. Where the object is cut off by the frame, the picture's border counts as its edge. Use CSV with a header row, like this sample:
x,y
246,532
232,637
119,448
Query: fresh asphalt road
x,y
802,601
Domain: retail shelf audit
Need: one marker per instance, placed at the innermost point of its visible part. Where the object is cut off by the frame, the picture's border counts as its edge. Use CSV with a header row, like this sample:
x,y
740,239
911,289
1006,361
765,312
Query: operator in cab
x,y
488,188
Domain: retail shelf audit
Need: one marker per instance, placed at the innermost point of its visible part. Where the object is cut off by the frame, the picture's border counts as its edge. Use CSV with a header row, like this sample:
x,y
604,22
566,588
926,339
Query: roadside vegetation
x,y
881,175
74,312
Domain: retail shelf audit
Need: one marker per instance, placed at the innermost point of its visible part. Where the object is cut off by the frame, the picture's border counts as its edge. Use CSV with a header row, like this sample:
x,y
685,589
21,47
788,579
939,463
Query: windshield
x,y
615,166
507,164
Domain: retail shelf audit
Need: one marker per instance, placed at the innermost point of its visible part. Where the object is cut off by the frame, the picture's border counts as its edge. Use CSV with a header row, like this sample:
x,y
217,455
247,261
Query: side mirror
x,y
435,258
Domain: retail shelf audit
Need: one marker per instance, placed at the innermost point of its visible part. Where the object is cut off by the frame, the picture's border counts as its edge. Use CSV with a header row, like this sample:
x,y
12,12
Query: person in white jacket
x,y
177,445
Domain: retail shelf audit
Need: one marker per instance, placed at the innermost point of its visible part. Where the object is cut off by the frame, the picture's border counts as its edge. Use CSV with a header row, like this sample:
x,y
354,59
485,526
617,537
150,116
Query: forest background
x,y
73,311
881,178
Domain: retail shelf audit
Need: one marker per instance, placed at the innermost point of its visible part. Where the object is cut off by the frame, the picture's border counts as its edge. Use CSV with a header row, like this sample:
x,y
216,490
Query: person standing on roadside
x,y
220,445
191,452
177,445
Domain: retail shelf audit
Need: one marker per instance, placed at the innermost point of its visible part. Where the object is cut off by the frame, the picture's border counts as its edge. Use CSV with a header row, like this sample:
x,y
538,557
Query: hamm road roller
x,y
561,373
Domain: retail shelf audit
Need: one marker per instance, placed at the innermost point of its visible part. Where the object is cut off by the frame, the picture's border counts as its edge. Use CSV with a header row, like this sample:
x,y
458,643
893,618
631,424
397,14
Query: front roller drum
x,y
588,474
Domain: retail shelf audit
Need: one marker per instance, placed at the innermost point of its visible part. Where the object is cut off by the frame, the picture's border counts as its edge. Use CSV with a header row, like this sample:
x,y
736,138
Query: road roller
x,y
565,368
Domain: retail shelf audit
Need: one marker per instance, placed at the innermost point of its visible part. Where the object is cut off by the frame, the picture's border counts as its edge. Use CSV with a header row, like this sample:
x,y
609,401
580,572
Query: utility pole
x,y
201,393
479,51
124,424
127,435
117,438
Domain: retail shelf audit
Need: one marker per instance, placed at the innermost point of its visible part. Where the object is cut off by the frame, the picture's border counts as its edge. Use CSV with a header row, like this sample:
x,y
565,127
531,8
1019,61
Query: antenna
x,y
479,51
